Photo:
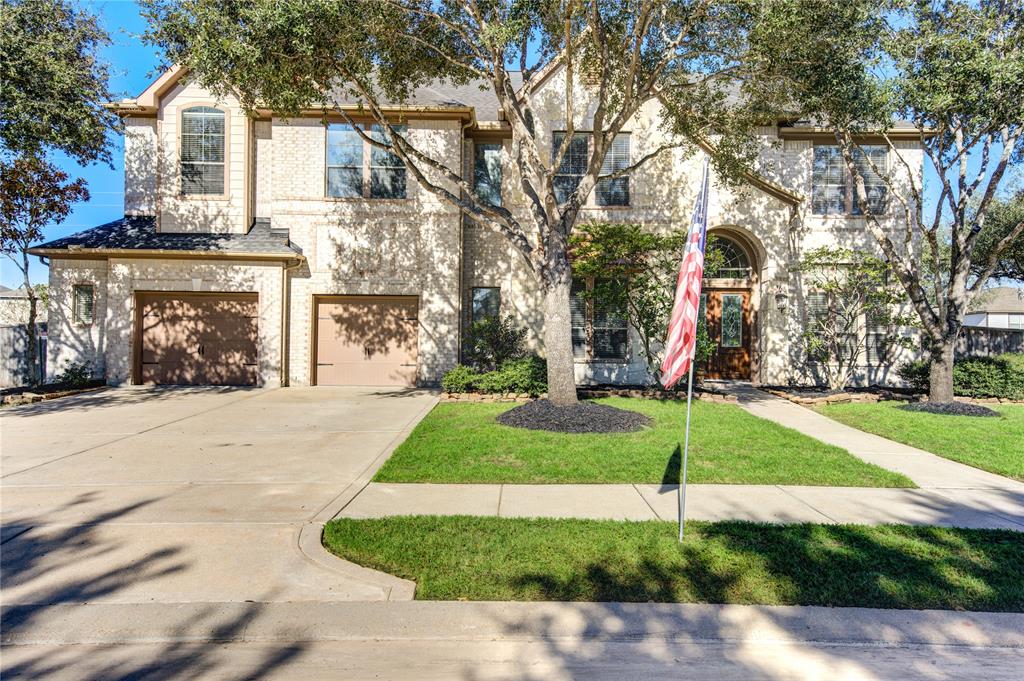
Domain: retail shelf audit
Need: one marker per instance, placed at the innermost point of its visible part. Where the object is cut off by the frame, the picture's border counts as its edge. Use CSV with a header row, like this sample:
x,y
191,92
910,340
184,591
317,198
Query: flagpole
x,y
686,451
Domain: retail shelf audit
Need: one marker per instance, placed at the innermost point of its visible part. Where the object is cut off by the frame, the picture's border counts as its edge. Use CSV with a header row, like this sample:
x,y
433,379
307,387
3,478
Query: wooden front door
x,y
366,340
730,326
196,339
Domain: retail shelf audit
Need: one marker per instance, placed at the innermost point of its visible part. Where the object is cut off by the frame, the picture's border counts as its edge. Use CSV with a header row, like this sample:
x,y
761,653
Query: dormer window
x,y
202,151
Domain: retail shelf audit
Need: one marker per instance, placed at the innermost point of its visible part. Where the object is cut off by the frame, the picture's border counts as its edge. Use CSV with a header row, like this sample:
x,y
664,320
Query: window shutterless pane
x,y
828,181
578,316
610,326
615,192
877,192
82,304
344,161
487,172
573,166
202,151
486,302
387,171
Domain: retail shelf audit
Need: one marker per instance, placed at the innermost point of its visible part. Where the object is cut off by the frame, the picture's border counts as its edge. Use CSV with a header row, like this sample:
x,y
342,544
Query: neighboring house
x,y
271,251
1000,307
14,307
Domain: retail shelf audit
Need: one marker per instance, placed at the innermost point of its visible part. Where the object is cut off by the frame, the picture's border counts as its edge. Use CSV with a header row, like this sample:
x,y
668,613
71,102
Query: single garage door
x,y
194,339
366,340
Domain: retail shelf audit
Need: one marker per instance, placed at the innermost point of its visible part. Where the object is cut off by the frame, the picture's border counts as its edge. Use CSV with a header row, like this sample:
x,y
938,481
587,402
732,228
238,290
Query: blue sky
x,y
132,63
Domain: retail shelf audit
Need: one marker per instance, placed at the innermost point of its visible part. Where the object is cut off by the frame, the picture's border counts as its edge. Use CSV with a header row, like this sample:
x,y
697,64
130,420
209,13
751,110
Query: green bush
x,y
493,341
461,379
1001,376
527,375
75,374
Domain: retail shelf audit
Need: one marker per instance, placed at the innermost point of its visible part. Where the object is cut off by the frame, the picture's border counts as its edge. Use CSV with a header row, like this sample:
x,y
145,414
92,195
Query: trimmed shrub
x,y
493,341
1001,376
461,379
528,375
75,375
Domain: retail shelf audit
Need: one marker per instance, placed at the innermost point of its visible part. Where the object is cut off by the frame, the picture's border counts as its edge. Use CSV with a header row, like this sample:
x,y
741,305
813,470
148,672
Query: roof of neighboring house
x,y
999,299
137,235
8,292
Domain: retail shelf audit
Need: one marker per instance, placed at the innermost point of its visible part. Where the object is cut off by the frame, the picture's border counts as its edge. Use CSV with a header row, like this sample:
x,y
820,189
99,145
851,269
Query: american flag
x,y
681,343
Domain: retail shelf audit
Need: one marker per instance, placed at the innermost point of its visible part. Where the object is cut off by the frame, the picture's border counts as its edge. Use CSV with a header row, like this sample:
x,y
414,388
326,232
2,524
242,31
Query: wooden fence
x,y
14,355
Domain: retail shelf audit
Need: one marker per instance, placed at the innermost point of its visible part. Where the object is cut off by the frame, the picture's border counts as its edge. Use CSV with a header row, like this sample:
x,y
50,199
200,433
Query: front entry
x,y
730,324
366,340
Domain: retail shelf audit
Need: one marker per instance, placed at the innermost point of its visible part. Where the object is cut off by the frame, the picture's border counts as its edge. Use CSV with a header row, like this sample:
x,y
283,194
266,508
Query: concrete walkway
x,y
950,495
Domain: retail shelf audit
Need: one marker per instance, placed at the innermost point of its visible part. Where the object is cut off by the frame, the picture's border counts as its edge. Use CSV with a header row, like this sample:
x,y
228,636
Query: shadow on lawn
x,y
841,566
673,467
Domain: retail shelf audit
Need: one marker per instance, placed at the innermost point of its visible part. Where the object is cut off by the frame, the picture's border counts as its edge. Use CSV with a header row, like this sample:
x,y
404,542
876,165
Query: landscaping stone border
x,y
592,393
879,396
17,399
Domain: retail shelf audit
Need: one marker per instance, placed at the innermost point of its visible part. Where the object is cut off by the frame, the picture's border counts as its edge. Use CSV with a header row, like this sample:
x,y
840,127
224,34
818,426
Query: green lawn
x,y
992,444
462,443
459,557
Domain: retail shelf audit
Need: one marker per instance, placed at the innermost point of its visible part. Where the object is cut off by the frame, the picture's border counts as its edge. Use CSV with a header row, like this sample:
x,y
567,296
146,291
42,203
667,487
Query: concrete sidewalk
x,y
986,509
527,641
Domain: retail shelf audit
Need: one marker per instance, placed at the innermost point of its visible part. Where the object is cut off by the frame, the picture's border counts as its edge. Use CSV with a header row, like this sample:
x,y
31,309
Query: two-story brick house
x,y
269,251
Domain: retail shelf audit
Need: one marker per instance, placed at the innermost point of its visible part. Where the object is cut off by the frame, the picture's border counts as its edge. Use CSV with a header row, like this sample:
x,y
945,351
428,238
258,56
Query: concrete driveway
x,y
191,494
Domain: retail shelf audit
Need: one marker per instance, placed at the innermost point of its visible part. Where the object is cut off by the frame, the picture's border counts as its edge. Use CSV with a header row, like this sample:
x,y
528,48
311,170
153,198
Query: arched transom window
x,y
735,263
202,151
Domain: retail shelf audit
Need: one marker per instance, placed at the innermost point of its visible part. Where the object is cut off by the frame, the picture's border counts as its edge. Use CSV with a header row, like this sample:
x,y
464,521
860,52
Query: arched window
x,y
735,263
202,151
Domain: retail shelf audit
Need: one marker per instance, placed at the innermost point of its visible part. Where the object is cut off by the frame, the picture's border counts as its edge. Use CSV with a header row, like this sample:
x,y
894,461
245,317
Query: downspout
x,y
285,316
462,235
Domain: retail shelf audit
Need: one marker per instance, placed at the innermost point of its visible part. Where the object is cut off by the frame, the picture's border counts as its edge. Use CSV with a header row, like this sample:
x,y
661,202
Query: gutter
x,y
169,254
286,285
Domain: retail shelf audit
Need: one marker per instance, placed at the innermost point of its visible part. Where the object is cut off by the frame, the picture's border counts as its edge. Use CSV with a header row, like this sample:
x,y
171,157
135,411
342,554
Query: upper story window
x,y
82,304
1015,321
613,192
356,168
487,172
832,190
599,327
202,151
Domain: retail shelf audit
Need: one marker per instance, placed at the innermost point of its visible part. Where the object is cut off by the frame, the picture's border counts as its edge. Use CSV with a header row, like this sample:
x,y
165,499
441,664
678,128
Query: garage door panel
x,y
198,340
367,341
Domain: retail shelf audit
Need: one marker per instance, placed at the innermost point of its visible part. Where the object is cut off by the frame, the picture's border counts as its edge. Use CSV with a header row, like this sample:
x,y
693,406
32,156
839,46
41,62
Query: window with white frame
x,y
599,326
202,151
356,168
82,304
876,339
608,192
487,172
1015,321
832,187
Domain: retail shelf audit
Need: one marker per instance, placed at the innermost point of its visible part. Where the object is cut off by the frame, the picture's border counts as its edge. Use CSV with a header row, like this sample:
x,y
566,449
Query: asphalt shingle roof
x,y
139,233
478,94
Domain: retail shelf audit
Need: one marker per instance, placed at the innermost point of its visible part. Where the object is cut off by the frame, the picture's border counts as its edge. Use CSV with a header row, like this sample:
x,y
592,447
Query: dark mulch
x,y
584,417
951,408
50,388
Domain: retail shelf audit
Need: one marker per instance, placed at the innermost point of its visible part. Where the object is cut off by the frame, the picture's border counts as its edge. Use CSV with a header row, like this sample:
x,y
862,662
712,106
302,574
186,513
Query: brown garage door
x,y
366,340
190,339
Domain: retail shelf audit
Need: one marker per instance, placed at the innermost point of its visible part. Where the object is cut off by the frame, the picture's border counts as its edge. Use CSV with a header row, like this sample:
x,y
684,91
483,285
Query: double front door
x,y
730,324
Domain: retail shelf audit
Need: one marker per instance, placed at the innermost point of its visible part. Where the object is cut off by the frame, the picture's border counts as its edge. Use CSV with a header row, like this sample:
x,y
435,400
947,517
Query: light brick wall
x,y
108,342
140,165
220,214
407,247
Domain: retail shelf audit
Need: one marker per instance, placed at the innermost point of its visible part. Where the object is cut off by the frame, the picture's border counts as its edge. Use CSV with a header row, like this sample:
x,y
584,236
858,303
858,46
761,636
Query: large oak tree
x,y
692,55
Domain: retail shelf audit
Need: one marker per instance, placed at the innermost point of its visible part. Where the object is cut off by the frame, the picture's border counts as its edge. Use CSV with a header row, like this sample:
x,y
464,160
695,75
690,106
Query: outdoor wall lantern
x,y
781,300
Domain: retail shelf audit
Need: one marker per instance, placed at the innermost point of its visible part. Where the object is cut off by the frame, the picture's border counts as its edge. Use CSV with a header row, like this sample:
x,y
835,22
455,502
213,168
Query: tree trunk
x,y
33,346
558,342
940,388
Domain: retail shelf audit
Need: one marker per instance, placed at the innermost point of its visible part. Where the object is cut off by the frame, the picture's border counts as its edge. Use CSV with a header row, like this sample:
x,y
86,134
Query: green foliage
x,y
1003,216
75,374
493,341
858,287
460,379
613,253
525,375
54,82
1001,376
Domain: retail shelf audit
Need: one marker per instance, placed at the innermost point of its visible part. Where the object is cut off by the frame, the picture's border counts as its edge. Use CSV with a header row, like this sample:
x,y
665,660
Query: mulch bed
x,y
951,408
584,417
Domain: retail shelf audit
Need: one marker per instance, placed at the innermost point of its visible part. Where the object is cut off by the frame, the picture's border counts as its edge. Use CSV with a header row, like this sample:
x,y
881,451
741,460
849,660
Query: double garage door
x,y
197,339
366,340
